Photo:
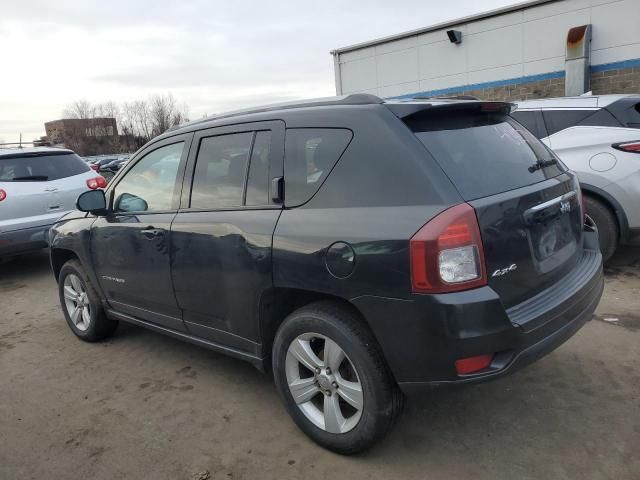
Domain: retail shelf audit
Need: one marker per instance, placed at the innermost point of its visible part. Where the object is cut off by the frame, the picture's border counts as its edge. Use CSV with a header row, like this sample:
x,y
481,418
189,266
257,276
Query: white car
x,y
598,137
38,186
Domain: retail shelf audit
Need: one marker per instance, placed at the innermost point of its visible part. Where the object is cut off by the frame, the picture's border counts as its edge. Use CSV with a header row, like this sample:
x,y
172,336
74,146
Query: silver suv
x,y
38,186
598,137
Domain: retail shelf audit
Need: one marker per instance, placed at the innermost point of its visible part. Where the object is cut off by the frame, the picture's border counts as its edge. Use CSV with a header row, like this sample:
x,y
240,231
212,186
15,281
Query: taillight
x,y
3,194
578,190
95,167
446,253
96,182
632,147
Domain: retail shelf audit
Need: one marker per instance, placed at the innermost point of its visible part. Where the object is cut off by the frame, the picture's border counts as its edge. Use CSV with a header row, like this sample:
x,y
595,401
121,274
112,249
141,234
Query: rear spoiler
x,y
403,110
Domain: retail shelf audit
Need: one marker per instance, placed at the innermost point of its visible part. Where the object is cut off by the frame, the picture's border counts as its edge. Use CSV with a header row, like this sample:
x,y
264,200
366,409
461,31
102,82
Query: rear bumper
x,y
423,338
24,240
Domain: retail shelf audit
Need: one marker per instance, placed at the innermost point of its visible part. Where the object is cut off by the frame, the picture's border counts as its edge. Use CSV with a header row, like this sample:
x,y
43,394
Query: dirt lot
x,y
145,406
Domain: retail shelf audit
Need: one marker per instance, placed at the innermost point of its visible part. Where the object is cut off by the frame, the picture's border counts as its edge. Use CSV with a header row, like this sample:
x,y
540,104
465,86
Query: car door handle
x,y
152,233
51,189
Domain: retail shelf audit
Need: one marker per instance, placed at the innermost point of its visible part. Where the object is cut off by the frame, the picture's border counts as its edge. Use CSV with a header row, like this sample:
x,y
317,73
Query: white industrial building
x,y
531,49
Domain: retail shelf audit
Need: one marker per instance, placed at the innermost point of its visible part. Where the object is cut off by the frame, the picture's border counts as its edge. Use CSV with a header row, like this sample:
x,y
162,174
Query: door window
x,y
150,184
221,168
258,181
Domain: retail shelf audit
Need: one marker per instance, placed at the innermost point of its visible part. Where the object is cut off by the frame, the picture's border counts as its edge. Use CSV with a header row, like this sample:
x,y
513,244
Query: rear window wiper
x,y
542,164
31,178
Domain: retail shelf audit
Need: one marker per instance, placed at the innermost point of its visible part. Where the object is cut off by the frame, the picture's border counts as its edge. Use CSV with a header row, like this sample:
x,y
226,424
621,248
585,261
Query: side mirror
x,y
93,202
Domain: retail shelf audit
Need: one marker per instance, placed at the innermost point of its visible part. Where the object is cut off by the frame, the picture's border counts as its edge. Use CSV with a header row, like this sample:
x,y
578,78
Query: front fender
x,y
71,237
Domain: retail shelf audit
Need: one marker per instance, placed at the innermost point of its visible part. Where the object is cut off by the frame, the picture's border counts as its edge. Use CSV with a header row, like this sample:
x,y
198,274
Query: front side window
x,y
150,184
310,154
221,168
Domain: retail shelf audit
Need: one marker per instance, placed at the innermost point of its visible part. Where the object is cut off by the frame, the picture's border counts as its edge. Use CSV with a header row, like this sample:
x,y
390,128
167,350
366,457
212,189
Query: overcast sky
x,y
214,55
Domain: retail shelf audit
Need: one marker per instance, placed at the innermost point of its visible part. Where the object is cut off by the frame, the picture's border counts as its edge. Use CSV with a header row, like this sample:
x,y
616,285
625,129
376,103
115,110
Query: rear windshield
x,y
484,153
41,168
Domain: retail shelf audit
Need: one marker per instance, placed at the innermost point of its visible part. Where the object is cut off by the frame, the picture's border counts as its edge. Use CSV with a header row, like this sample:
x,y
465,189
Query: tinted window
x,y
530,121
310,154
557,120
634,121
40,168
600,118
483,154
258,181
221,167
150,184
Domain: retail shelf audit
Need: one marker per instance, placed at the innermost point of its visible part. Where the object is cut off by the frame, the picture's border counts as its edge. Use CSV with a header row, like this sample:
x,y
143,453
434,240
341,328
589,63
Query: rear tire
x,y
81,304
359,386
606,223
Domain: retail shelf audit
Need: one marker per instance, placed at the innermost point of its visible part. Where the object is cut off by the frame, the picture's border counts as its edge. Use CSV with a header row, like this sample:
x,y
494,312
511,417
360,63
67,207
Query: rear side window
x,y
529,119
310,154
41,168
221,168
557,120
601,118
483,153
632,116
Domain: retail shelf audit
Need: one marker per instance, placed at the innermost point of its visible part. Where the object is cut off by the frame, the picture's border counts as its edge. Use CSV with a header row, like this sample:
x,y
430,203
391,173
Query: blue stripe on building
x,y
516,81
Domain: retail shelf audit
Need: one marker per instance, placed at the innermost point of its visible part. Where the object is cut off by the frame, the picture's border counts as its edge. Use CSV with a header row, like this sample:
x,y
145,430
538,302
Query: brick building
x,y
88,136
534,49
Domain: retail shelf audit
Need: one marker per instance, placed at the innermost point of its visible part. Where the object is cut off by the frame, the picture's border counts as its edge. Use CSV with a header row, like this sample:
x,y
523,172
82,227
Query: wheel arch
x,y
278,303
609,201
60,256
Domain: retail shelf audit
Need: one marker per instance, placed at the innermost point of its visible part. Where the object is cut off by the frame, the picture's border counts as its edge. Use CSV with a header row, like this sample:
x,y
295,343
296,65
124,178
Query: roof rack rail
x,y
453,97
352,99
36,143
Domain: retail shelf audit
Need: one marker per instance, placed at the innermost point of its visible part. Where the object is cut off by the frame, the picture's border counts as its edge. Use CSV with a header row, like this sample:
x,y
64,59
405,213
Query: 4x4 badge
x,y
502,271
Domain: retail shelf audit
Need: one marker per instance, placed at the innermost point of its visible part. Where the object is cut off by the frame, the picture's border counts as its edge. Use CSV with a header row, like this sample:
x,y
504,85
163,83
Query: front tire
x,y
81,304
333,379
606,223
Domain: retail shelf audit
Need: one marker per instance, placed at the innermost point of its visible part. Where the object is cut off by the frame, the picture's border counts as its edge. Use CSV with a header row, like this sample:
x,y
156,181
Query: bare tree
x,y
79,109
108,109
165,113
138,121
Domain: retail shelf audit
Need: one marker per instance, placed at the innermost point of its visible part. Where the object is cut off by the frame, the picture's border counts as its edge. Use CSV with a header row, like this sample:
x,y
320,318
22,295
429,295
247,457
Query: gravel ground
x,y
146,406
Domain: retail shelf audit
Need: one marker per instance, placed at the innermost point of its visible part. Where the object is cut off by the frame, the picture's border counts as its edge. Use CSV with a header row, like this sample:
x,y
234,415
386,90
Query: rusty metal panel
x,y
578,60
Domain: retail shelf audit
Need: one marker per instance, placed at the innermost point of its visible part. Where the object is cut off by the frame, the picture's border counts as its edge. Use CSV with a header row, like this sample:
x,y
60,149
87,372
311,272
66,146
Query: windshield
x,y
484,153
41,168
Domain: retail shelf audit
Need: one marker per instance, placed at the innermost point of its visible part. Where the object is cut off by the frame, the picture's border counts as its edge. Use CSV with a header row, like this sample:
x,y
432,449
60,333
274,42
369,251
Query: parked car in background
x,y
358,248
598,137
37,186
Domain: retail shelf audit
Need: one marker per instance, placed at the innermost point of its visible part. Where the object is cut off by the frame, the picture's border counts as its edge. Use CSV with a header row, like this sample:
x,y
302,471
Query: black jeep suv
x,y
357,247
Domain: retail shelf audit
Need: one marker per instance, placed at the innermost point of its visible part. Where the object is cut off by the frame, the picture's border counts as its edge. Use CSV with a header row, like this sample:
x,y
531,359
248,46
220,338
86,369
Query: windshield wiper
x,y
33,178
542,164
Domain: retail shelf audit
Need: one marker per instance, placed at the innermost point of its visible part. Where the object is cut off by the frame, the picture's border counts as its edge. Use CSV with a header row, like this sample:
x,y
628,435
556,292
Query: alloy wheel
x,y
76,301
324,383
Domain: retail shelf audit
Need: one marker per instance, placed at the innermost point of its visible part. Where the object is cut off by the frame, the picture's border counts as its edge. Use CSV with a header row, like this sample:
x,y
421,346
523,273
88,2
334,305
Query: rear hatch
x,y
526,203
39,187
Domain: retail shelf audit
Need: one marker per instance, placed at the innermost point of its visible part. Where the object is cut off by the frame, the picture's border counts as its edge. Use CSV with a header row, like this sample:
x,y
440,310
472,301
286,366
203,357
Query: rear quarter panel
x,y
381,191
